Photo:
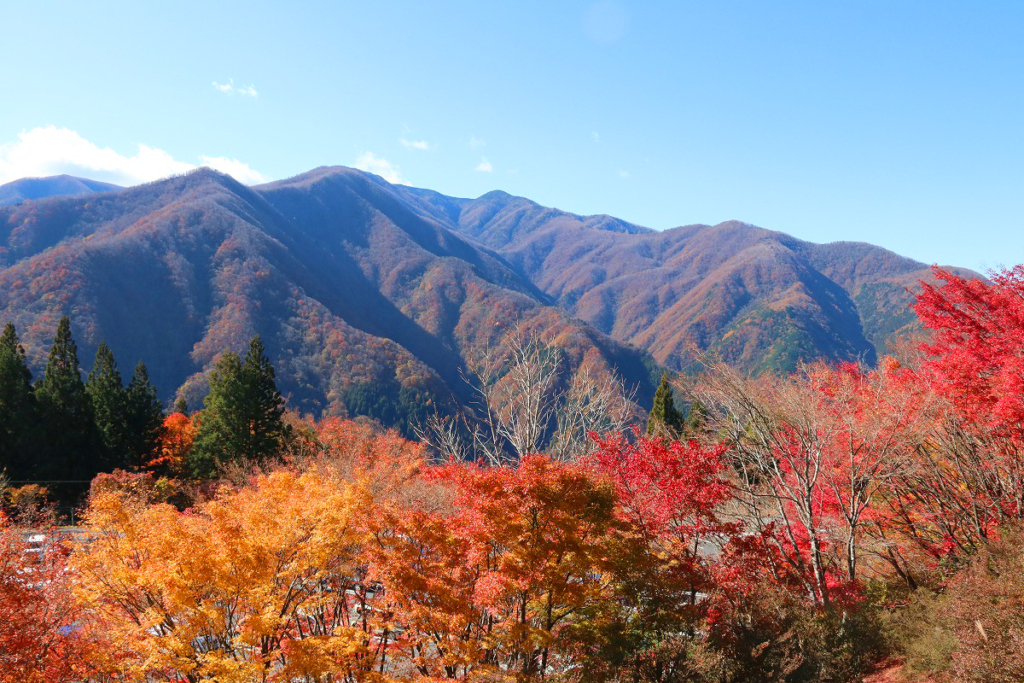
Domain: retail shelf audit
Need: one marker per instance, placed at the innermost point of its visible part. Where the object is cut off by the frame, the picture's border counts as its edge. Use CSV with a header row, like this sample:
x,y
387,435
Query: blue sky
x,y
897,123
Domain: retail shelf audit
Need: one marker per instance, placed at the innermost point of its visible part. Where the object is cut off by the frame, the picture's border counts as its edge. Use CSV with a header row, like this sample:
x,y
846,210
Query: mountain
x,y
379,299
27,189
762,300
367,305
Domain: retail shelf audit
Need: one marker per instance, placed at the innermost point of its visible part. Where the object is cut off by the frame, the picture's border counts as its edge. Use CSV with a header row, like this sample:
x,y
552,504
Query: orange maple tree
x,y
175,443
41,635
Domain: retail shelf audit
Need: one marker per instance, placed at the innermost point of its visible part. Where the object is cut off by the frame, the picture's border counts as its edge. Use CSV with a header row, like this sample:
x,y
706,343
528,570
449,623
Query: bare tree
x,y
967,480
811,453
447,435
529,400
595,402
528,395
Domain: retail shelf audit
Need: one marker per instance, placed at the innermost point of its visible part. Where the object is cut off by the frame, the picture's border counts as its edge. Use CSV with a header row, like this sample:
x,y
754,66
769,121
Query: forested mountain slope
x,y
761,299
366,305
379,299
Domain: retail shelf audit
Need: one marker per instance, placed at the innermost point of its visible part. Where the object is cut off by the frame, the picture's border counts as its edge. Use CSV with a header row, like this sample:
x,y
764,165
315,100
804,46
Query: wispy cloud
x,y
416,144
49,150
230,88
484,166
371,163
476,142
595,136
623,174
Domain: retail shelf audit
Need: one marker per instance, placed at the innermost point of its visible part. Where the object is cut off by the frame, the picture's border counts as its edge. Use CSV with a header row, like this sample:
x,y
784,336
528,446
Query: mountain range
x,y
380,299
760,299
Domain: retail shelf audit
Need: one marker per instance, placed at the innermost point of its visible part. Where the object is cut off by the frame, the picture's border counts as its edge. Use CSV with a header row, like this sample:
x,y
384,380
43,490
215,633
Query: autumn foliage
x,y
40,636
794,538
976,354
175,443
361,561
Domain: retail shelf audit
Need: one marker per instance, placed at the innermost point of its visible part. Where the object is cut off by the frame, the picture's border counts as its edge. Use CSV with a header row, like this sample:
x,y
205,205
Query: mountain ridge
x,y
365,307
30,189
600,268
357,284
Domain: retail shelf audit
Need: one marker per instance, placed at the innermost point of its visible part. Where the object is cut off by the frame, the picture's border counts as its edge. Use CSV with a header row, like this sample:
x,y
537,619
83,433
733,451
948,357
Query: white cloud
x,y
415,144
230,88
475,142
371,163
623,174
238,170
484,166
50,151
596,136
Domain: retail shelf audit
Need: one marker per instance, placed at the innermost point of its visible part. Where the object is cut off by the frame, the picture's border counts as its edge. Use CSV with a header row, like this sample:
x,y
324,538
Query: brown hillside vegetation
x,y
366,306
762,299
374,299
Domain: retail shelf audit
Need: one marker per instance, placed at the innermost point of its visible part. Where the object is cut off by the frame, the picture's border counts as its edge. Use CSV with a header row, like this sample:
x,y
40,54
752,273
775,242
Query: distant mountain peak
x,y
497,194
28,189
206,172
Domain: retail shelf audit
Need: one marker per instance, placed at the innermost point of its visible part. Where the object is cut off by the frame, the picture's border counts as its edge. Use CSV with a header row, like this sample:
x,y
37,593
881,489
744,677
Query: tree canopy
x,y
17,405
70,437
242,415
664,419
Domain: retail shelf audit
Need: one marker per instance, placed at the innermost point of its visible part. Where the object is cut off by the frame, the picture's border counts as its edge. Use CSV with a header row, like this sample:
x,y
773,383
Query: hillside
x,y
366,305
376,299
27,189
761,299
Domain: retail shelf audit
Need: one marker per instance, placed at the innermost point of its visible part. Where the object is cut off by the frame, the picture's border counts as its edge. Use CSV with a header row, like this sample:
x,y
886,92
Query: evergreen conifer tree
x,y
72,448
17,405
664,419
220,434
144,415
180,406
264,403
109,407
696,420
242,416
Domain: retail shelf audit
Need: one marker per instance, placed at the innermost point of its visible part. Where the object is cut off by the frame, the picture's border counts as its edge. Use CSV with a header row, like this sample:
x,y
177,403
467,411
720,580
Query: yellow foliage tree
x,y
259,584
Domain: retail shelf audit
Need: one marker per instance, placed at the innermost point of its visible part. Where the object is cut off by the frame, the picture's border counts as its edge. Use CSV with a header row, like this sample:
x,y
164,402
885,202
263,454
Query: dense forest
x,y
830,524
63,431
